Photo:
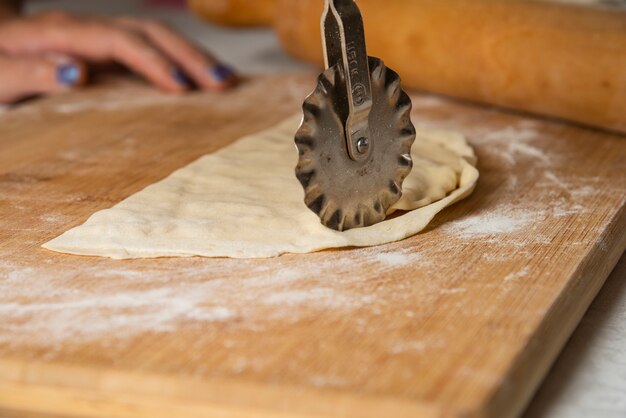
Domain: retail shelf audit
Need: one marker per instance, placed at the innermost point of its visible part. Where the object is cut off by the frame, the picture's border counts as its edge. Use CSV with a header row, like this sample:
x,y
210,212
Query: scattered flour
x,y
523,149
516,275
399,258
583,192
429,102
511,134
556,180
561,211
44,310
452,291
55,219
298,297
490,223
512,182
415,346
514,143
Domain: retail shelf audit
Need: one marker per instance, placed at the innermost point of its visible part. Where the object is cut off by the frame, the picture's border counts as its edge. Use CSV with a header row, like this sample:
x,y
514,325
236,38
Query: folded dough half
x,y
244,201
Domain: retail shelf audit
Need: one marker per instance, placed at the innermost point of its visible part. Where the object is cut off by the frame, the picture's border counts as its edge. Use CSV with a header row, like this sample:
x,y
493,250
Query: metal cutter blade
x,y
355,140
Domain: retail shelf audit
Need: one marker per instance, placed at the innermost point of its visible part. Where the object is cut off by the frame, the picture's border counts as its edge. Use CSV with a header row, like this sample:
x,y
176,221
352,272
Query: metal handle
x,y
343,36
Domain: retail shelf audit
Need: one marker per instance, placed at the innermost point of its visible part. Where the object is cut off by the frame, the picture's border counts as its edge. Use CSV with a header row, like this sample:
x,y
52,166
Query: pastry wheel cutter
x,y
354,143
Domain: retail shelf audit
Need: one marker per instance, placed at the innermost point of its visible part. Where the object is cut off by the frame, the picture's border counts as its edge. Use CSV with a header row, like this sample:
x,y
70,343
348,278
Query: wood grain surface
x,y
462,320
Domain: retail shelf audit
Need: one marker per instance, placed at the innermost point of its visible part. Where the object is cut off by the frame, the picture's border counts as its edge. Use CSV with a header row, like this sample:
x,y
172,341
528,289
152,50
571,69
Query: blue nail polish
x,y
180,77
222,72
68,74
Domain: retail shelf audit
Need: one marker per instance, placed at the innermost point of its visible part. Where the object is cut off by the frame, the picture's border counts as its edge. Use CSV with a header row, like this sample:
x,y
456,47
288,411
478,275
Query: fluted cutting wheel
x,y
345,193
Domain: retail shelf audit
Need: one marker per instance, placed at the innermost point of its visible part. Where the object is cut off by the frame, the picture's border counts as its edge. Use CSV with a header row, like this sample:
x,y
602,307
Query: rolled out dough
x,y
244,201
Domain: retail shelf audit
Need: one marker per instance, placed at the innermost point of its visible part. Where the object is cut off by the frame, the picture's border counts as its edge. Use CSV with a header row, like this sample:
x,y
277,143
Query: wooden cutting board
x,y
462,320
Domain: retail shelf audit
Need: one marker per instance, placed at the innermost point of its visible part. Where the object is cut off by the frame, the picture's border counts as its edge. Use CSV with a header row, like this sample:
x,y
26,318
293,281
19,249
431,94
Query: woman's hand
x,y
51,52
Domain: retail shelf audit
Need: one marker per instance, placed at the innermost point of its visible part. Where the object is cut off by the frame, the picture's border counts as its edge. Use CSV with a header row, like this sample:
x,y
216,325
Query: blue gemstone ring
x,y
222,72
68,74
180,77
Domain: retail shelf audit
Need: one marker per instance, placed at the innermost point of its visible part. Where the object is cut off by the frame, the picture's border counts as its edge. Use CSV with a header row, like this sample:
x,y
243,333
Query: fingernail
x,y
180,77
221,72
68,74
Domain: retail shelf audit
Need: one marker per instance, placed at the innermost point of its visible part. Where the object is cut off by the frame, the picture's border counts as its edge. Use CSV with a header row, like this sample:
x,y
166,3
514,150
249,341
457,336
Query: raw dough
x,y
245,202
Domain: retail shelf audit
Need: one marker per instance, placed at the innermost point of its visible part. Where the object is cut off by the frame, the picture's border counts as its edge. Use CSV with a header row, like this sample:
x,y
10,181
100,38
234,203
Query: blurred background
x,y
555,58
251,45
251,50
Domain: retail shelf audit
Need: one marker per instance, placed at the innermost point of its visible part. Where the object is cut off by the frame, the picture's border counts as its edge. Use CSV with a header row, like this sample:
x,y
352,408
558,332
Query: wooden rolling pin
x,y
552,59
235,12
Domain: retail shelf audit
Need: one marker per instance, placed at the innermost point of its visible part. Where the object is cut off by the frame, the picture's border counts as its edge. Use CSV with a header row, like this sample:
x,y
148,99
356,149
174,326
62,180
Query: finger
x,y
25,76
94,40
138,54
204,69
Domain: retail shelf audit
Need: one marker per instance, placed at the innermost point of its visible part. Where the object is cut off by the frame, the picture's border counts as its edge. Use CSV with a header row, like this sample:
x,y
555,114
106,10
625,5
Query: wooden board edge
x,y
511,398
86,392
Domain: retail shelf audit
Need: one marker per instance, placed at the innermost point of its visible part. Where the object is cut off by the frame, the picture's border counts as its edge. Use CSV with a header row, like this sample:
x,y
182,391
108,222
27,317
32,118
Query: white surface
x,y
589,378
